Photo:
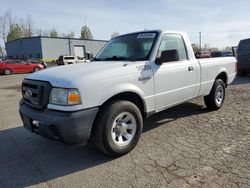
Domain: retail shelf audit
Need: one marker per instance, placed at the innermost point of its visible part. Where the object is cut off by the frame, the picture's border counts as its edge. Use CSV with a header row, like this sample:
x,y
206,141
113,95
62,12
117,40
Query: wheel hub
x,y
123,129
219,95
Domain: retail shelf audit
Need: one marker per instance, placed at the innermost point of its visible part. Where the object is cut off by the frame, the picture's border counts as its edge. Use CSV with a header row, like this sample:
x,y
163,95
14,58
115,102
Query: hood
x,y
69,75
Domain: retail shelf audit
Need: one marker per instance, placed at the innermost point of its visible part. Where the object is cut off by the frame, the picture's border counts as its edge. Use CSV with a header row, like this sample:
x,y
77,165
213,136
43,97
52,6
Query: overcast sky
x,y
222,23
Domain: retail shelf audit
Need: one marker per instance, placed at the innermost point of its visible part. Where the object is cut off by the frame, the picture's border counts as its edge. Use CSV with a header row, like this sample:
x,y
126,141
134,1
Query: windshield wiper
x,y
96,59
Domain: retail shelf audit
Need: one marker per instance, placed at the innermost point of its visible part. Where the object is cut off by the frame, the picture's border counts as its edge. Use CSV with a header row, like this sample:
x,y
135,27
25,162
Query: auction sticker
x,y
146,35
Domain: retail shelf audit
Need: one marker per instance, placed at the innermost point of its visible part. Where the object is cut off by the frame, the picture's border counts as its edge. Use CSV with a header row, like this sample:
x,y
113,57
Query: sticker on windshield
x,y
146,36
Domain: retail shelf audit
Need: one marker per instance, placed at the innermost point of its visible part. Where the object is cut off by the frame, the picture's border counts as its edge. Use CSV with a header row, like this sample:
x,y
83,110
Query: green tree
x,y
15,32
86,33
53,33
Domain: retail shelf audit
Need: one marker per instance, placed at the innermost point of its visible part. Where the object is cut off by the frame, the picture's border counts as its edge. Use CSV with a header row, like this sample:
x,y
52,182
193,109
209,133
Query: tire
x,y
36,69
113,136
7,71
215,99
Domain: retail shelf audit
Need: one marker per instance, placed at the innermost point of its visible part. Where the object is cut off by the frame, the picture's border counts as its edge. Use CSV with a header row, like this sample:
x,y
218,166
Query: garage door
x,y
79,51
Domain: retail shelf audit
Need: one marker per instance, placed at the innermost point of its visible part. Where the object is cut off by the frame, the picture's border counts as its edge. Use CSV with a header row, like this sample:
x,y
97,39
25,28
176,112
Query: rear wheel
x,y
7,71
118,128
215,99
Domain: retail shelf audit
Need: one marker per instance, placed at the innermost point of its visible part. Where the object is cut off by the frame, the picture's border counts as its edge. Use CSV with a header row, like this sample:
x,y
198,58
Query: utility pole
x,y
200,39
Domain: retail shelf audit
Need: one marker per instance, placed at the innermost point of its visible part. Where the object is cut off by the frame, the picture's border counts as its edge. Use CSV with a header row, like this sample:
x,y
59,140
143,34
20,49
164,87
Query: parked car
x,y
203,54
221,54
66,60
18,66
243,57
133,76
37,61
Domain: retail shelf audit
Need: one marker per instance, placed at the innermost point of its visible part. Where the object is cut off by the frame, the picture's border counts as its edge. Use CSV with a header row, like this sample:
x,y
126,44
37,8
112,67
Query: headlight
x,y
62,96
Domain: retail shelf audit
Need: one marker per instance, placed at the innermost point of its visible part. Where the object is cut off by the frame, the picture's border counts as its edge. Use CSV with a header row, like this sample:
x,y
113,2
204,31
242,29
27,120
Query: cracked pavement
x,y
185,146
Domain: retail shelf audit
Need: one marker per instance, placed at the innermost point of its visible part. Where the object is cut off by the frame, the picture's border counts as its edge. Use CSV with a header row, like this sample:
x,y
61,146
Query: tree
x,y
71,34
15,32
53,33
115,34
38,32
5,24
29,26
227,48
1,51
195,47
86,33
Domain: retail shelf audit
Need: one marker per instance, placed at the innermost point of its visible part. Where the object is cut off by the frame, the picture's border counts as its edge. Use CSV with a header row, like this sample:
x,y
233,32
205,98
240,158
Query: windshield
x,y
131,47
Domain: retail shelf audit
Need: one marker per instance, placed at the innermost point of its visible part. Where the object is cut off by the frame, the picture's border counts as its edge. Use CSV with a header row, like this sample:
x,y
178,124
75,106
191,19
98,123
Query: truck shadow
x,y
241,80
27,159
172,114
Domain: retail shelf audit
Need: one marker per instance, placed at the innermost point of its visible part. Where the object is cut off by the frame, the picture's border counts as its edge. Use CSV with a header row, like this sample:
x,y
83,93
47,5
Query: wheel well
x,y
223,77
128,96
132,97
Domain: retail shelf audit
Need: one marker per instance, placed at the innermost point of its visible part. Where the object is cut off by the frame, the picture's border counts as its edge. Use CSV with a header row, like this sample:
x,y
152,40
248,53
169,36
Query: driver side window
x,y
173,42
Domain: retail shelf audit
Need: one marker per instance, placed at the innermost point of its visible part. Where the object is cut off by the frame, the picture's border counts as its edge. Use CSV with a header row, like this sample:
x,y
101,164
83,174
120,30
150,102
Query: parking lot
x,y
185,146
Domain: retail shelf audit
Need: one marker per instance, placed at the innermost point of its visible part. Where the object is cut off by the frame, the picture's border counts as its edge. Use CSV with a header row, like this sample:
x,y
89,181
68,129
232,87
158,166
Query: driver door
x,y
175,81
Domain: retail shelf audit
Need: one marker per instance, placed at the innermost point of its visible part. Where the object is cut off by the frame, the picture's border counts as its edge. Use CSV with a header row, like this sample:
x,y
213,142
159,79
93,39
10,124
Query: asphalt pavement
x,y
185,146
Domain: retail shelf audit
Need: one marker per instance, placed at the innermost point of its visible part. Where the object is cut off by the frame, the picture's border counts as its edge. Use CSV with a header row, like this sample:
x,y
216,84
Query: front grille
x,y
36,93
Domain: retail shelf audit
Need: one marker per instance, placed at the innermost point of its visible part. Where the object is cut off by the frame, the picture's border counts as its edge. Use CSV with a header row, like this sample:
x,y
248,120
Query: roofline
x,y
153,31
56,38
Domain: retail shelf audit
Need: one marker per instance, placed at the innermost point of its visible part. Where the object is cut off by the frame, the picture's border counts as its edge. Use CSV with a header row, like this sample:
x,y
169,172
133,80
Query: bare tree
x,y
29,26
71,34
54,33
1,51
115,34
38,32
86,33
5,24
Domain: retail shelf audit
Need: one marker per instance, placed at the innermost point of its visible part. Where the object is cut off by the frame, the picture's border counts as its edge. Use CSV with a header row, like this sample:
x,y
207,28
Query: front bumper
x,y
68,127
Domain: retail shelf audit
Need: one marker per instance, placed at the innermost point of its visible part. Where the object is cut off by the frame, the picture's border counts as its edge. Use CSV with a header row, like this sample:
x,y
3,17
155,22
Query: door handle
x,y
191,68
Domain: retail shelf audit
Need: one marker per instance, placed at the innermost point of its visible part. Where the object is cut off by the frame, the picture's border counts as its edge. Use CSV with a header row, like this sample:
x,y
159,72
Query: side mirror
x,y
167,56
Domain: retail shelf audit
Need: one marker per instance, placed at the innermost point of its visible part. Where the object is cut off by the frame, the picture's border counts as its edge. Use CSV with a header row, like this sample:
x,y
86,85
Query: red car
x,y
18,66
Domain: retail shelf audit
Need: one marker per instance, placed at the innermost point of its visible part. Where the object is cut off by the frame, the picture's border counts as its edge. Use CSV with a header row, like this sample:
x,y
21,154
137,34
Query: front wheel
x,y
7,71
215,99
36,69
118,128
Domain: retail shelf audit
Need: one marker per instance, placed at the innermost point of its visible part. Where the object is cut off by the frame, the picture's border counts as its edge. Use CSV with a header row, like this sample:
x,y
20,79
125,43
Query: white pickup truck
x,y
68,60
133,76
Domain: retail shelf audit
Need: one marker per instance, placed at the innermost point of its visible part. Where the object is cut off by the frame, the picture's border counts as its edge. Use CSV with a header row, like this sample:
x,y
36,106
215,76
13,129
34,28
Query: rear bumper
x,y
68,127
